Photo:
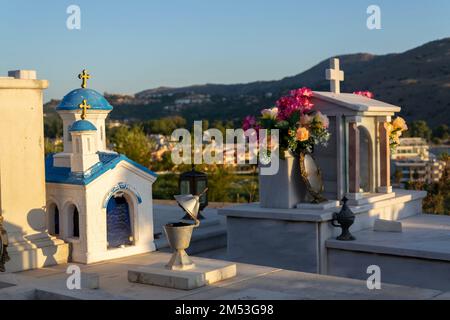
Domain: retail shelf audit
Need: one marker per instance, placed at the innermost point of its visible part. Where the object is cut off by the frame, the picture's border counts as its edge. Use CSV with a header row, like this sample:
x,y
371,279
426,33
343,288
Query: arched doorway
x,y
72,222
365,160
53,220
118,222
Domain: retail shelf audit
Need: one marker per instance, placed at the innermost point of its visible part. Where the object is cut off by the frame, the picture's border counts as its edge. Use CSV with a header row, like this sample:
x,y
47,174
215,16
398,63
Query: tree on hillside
x,y
53,127
419,129
442,132
437,200
133,143
52,146
164,126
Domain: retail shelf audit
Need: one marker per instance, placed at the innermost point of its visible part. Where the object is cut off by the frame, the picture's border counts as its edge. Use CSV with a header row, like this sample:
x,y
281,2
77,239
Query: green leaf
x,y
282,125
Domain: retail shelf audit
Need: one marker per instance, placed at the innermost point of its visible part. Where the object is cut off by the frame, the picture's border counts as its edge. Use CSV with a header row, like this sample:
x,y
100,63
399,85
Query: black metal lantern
x,y
344,219
194,182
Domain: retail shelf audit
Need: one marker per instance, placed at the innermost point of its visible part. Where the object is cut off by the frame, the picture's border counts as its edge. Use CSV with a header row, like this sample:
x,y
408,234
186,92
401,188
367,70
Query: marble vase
x,y
285,189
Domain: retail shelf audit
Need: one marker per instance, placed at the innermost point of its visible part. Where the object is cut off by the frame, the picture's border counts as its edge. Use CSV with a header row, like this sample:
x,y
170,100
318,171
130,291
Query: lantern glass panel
x,y
201,185
185,187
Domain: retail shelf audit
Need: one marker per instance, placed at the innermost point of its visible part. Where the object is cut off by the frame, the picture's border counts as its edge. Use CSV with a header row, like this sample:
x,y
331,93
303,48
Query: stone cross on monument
x,y
84,76
84,106
335,76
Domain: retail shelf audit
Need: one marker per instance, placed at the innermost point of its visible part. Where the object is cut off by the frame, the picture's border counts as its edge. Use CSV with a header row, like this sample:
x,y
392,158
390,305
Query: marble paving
x,y
252,282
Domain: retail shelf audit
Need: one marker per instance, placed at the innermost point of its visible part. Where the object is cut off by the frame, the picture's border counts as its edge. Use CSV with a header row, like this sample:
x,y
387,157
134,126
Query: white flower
x,y
323,119
270,113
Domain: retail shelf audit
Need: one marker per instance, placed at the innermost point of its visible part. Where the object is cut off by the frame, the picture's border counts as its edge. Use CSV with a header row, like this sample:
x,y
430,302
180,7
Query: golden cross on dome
x,y
84,106
84,76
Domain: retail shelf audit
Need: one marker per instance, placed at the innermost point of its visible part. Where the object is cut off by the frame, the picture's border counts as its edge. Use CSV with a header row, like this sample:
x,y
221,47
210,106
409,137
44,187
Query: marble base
x,y
419,256
319,206
205,273
385,189
368,198
294,239
37,253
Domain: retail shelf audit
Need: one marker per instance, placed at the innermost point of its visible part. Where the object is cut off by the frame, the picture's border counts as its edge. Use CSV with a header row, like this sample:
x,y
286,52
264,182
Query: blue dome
x,y
82,125
74,98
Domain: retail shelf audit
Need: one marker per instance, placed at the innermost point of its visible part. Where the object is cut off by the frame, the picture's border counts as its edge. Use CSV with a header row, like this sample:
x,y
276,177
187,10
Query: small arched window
x,y
53,220
56,221
76,223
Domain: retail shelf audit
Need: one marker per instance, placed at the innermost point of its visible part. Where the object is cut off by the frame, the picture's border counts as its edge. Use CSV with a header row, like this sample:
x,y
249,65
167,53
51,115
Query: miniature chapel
x,y
286,229
356,161
97,200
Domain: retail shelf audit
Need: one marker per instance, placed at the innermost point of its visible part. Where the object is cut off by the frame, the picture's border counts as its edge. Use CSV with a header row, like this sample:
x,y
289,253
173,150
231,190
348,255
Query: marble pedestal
x,y
204,273
285,189
294,239
40,251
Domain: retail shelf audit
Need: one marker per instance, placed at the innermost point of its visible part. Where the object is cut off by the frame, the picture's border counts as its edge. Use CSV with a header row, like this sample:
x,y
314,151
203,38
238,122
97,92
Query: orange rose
x,y
400,123
302,134
389,127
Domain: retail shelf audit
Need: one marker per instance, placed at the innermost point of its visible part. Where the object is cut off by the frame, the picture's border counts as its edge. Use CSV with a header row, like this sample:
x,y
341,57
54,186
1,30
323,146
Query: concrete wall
x,y
22,178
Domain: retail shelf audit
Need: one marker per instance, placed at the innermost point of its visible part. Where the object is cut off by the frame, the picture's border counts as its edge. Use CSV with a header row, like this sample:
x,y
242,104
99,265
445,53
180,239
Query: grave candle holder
x,y
179,234
344,219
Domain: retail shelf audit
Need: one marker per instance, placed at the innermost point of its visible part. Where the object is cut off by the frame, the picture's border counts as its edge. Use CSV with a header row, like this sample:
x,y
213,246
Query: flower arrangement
x,y
395,129
366,94
300,127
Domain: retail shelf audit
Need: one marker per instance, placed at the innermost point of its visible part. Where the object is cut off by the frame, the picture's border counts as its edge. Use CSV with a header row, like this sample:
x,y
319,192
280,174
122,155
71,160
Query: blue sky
x,y
134,45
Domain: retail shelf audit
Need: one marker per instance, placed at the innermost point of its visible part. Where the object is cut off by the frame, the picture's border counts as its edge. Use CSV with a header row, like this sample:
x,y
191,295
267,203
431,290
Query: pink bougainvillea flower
x,y
366,94
302,92
286,106
306,104
298,100
249,122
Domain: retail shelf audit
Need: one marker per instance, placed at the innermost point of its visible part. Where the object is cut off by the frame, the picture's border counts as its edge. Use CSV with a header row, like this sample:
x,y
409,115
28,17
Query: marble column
x,y
353,158
385,157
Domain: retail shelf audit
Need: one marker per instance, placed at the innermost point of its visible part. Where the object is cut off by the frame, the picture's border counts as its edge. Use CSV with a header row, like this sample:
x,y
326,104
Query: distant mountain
x,y
418,80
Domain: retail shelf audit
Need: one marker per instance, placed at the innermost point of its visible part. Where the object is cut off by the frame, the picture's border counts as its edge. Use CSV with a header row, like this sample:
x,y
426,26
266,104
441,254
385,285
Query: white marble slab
x,y
204,273
424,236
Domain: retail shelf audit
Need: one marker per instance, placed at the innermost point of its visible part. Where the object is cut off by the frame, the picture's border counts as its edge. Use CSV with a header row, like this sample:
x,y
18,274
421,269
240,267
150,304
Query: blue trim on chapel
x,y
108,161
74,98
